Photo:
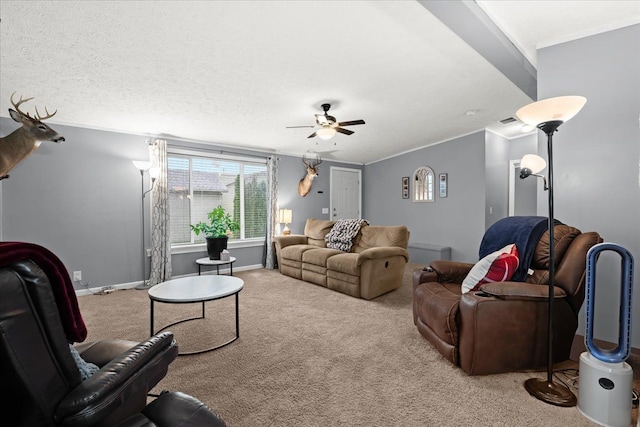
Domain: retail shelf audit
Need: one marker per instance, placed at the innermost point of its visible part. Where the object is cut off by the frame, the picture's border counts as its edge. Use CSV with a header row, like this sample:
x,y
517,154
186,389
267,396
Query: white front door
x,y
346,193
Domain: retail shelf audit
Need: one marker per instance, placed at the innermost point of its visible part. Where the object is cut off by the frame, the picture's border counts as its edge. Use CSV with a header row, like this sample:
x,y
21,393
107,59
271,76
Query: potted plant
x,y
217,231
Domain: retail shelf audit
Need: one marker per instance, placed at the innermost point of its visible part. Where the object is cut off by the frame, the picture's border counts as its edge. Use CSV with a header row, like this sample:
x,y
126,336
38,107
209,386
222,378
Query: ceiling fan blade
x,y
292,127
321,119
312,135
351,123
345,131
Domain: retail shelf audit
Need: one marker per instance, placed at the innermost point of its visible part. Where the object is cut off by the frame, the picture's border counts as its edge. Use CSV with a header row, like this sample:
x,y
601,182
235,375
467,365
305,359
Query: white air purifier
x,y
605,391
606,381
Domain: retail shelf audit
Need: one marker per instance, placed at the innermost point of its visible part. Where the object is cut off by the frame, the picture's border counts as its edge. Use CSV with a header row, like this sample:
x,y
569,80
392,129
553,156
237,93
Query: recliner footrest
x,y
177,408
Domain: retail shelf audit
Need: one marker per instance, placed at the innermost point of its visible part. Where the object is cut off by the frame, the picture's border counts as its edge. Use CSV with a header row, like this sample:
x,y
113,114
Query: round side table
x,y
215,262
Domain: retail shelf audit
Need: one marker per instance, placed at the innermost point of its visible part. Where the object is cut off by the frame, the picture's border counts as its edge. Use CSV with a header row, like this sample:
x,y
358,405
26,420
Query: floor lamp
x,y
547,115
144,166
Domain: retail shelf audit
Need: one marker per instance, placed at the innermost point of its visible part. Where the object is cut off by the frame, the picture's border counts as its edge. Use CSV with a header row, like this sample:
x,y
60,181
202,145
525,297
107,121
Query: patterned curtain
x,y
272,212
160,231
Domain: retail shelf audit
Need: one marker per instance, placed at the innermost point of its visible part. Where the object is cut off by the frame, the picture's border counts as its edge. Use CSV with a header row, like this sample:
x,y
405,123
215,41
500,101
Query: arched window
x,y
423,184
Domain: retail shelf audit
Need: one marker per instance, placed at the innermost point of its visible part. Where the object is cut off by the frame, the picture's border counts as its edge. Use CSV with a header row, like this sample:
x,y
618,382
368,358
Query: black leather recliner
x,y
41,385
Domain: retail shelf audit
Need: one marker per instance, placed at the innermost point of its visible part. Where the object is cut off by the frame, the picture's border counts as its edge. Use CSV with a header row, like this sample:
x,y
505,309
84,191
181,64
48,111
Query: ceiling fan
x,y
328,125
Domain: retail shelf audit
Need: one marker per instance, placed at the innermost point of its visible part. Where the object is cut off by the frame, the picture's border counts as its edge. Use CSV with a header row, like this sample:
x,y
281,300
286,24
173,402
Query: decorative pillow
x,y
498,266
86,369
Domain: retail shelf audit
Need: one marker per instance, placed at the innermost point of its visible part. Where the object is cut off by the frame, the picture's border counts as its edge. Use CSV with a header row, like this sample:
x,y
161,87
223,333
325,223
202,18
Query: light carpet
x,y
310,356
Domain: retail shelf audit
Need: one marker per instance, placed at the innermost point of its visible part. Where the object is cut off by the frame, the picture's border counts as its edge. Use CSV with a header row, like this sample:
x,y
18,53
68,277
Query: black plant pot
x,y
215,245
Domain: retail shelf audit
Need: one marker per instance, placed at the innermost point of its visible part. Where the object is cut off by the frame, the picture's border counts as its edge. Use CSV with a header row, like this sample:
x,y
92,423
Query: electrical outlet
x,y
77,275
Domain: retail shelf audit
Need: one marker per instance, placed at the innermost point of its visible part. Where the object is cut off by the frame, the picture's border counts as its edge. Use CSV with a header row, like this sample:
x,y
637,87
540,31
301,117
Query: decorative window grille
x,y
423,185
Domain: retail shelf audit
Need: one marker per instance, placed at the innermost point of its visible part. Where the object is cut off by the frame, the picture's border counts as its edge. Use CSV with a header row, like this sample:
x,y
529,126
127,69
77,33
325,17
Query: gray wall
x,y
596,153
82,200
496,178
457,221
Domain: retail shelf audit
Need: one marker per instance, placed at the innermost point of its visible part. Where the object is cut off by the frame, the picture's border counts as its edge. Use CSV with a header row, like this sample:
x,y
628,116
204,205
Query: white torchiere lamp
x,y
285,218
547,115
531,165
154,172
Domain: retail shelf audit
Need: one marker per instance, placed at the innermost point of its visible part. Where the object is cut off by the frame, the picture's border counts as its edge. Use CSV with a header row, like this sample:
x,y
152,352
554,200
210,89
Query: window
x,y
199,182
423,184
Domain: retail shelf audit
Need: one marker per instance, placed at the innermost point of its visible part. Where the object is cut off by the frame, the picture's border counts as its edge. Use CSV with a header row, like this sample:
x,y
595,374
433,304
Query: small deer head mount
x,y
25,140
304,186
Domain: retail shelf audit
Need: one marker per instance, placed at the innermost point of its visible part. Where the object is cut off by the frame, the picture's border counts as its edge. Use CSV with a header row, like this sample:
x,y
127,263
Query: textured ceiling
x,y
238,72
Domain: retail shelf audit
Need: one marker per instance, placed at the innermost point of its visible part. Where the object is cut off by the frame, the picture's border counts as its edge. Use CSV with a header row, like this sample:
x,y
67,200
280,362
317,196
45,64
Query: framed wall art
x,y
405,187
442,180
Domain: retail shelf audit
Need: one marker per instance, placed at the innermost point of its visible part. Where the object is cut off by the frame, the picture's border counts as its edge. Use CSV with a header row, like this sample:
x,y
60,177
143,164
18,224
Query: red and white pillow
x,y
498,266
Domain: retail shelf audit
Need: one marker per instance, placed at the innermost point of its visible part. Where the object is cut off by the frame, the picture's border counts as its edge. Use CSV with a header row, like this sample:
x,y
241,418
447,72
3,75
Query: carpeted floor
x,y
309,356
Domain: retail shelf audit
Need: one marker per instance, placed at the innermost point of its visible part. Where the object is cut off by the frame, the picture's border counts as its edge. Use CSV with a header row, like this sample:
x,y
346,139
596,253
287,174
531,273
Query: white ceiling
x,y
238,72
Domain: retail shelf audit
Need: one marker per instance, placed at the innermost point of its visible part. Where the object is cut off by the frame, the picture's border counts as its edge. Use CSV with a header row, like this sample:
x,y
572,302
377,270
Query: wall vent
x,y
508,120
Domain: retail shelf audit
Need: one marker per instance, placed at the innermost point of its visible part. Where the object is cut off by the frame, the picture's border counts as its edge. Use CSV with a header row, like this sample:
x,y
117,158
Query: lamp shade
x,y
326,132
154,172
141,164
560,108
285,216
533,162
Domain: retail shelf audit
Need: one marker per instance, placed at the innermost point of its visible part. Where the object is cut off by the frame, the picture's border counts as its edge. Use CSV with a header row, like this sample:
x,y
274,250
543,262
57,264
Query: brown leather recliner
x,y
503,327
41,383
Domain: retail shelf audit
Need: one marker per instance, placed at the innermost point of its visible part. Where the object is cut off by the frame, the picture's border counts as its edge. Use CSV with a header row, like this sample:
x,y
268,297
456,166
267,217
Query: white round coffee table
x,y
217,263
188,290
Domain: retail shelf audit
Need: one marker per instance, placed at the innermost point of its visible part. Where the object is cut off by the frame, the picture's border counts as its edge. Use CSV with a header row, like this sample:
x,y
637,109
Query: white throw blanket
x,y
342,233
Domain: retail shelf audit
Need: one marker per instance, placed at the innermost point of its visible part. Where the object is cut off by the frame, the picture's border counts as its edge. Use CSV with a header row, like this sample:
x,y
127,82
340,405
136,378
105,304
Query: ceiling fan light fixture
x,y
326,132
329,126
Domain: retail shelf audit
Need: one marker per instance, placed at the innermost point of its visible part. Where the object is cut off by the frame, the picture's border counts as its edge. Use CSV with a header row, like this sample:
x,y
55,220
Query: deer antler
x,y
17,106
313,164
48,116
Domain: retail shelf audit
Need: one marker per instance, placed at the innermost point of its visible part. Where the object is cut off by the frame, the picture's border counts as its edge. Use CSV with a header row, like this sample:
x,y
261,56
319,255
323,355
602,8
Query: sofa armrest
x,y
104,351
424,275
523,338
122,384
451,271
381,270
288,240
521,291
382,252
281,242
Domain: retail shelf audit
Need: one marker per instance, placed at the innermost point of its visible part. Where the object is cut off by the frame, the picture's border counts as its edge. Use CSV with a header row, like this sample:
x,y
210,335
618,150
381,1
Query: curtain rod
x,y
199,147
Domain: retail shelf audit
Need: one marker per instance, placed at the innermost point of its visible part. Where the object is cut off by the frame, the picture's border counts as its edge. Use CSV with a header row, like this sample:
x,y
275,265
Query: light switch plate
x,y
325,210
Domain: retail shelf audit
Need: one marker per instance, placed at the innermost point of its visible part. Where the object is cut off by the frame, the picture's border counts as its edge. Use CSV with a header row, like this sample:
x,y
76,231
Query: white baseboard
x,y
131,285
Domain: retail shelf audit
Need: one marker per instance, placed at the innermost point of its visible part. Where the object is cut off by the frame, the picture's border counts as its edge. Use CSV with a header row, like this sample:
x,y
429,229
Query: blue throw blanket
x,y
524,231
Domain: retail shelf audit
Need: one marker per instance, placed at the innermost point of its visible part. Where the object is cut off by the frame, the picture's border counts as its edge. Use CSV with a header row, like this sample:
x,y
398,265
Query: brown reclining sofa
x,y
373,266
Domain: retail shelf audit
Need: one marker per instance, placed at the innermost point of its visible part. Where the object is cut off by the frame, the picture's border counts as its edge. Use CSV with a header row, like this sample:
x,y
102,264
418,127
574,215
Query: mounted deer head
x,y
25,140
304,186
